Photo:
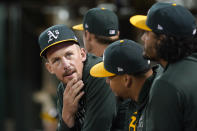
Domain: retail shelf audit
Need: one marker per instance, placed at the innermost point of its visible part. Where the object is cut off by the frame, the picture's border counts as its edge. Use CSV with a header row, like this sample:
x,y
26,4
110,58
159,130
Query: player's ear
x,y
127,80
83,54
118,33
161,37
49,68
87,35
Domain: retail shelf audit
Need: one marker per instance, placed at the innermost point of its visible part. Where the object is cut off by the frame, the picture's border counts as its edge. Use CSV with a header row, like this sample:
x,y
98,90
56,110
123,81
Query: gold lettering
x,y
132,123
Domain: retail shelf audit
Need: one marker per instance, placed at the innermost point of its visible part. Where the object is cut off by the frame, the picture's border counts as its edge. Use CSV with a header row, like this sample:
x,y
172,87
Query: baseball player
x,y
170,39
84,103
129,76
100,28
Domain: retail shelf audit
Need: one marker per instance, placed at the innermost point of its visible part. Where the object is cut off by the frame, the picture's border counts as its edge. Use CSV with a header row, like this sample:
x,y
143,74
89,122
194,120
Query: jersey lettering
x,y
132,125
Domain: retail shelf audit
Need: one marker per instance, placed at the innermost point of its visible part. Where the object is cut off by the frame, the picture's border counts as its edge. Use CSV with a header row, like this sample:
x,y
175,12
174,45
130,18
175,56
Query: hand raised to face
x,y
71,97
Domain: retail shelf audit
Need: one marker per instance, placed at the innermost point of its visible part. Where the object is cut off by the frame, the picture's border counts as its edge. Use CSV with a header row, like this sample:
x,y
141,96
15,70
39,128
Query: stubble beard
x,y
149,57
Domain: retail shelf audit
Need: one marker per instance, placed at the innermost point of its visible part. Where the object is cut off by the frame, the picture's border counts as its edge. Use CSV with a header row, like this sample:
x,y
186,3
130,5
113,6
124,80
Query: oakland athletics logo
x,y
53,35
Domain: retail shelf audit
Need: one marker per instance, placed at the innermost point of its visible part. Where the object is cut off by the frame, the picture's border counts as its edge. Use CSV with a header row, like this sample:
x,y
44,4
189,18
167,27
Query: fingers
x,y
70,84
77,88
73,88
72,95
78,97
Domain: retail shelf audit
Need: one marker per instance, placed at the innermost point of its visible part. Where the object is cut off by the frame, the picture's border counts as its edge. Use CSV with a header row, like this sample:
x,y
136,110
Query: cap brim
x,y
58,42
139,21
78,27
98,70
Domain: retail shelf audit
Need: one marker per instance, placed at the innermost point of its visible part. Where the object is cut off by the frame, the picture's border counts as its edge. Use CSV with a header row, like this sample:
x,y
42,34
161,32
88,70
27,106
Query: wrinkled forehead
x,y
66,45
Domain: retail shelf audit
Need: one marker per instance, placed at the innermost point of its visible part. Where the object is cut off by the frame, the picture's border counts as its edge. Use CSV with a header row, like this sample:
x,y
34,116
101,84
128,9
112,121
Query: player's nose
x,y
65,63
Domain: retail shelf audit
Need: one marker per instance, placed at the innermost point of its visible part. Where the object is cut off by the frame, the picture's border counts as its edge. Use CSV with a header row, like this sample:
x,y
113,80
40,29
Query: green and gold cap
x,y
55,35
167,18
121,57
100,21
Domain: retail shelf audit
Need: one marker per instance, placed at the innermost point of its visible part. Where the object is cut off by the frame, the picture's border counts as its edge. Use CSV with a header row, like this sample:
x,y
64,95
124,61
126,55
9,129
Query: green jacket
x,y
173,98
135,111
97,107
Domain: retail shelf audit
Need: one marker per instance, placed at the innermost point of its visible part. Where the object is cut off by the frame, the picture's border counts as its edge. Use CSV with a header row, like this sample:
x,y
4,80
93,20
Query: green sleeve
x,y
164,110
120,122
100,106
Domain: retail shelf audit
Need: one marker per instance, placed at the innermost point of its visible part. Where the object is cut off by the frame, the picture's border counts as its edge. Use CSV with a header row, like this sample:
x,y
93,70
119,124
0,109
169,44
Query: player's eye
x,y
55,60
68,54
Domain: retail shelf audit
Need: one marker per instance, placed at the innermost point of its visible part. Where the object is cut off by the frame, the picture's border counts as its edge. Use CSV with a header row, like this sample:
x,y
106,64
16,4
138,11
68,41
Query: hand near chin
x,y
71,97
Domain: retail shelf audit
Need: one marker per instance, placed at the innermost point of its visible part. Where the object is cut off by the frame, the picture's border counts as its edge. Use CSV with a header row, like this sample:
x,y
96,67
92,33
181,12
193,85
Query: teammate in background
x,y
170,39
100,28
129,76
84,103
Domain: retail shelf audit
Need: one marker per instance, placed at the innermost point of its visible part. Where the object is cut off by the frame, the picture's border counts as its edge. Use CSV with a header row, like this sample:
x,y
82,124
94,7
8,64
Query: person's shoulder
x,y
92,59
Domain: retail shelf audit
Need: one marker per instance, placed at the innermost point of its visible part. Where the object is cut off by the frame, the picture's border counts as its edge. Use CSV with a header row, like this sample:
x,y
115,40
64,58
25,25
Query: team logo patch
x,y
159,27
120,69
86,26
53,35
112,32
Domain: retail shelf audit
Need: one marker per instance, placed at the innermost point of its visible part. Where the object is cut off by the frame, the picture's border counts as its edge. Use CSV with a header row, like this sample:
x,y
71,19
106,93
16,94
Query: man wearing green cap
x,y
84,103
170,39
129,76
100,28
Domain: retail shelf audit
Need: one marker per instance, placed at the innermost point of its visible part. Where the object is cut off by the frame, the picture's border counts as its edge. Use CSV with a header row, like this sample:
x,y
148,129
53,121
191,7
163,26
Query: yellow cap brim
x,y
139,21
58,42
78,27
98,70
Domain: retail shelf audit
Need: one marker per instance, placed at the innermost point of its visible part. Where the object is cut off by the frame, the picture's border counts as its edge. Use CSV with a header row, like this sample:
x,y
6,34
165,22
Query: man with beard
x,y
170,39
84,103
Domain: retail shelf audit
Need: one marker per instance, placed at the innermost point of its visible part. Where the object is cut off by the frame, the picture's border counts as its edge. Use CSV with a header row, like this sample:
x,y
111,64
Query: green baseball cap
x,y
121,57
55,35
167,18
99,21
